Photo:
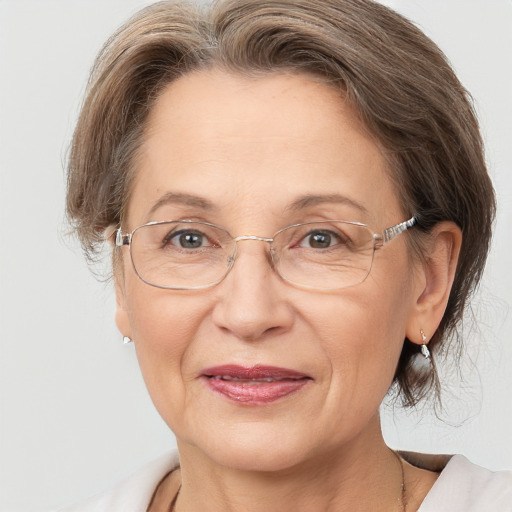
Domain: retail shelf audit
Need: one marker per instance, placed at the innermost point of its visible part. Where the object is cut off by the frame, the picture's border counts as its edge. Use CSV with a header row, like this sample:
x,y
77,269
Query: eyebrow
x,y
315,199
301,203
182,199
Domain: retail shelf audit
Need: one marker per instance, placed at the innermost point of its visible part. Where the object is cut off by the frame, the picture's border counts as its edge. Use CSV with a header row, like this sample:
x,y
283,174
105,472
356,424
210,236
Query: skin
x,y
251,147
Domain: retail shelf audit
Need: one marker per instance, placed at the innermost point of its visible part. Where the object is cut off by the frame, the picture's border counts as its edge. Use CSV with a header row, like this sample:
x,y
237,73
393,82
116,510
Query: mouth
x,y
257,385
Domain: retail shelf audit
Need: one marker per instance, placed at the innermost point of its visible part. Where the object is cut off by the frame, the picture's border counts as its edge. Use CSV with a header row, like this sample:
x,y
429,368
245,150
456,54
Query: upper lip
x,y
233,371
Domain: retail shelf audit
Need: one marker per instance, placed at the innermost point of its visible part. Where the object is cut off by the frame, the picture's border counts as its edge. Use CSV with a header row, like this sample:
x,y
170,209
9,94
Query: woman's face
x,y
255,155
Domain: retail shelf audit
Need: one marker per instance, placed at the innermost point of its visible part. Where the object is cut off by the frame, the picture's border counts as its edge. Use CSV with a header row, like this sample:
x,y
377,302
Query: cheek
x,y
164,326
361,334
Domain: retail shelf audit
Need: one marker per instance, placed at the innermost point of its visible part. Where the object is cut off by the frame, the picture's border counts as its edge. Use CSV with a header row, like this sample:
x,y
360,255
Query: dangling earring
x,y
126,340
424,349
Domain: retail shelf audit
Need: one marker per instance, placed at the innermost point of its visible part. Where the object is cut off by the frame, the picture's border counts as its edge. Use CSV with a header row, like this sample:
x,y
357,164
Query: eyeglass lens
x,y
188,255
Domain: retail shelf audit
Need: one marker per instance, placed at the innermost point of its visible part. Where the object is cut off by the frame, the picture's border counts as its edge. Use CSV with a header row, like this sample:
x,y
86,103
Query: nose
x,y
252,301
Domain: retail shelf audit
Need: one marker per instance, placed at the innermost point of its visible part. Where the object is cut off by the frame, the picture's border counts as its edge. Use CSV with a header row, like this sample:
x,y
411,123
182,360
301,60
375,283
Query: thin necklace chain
x,y
401,500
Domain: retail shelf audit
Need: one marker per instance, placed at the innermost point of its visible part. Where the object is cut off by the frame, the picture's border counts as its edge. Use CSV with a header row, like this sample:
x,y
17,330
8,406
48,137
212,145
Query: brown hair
x,y
398,80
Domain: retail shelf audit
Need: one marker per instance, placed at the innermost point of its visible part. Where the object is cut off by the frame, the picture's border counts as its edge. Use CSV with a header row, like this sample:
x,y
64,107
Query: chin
x,y
265,459
251,447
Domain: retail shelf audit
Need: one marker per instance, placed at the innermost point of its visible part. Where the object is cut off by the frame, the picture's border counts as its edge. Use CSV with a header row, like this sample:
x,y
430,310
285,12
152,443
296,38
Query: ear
x,y
435,279
122,318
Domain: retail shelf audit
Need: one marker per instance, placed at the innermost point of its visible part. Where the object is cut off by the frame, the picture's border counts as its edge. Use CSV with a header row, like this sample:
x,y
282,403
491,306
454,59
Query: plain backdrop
x,y
74,414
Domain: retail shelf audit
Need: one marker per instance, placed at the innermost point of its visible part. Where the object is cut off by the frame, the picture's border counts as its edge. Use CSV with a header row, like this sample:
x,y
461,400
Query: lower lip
x,y
250,392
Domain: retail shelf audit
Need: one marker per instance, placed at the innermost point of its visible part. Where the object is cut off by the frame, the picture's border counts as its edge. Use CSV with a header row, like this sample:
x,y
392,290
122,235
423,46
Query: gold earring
x,y
424,349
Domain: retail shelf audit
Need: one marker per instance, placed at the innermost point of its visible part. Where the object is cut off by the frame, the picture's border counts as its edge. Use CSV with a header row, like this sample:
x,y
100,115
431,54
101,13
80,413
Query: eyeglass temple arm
x,y
396,230
387,235
122,238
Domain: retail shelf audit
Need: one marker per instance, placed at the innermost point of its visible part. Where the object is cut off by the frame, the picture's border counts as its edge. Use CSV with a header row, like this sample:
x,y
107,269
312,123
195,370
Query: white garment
x,y
466,487
133,494
461,487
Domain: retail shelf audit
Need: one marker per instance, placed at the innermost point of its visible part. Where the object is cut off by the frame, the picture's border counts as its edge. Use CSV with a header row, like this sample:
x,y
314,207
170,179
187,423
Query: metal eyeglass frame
x,y
379,239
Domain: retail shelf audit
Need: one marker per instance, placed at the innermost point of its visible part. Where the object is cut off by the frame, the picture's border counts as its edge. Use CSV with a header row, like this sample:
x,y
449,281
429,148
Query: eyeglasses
x,y
320,255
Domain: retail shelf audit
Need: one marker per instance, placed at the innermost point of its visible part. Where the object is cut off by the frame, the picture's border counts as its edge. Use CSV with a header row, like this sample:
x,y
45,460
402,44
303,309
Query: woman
x,y
299,209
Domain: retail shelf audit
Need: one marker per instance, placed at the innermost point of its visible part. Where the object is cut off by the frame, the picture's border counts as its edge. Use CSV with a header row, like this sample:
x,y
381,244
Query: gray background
x,y
74,414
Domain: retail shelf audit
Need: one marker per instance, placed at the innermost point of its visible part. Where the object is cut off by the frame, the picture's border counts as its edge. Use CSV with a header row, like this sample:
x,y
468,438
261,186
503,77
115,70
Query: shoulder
x,y
133,494
466,487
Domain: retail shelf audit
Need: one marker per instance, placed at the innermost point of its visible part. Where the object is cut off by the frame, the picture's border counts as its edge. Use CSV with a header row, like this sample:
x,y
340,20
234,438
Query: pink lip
x,y
257,385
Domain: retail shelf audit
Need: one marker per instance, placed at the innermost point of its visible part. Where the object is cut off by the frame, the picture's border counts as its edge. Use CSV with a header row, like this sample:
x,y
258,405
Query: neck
x,y
363,475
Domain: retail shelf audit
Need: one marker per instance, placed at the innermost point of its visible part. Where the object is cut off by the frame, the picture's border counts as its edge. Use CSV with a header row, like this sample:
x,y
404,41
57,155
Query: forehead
x,y
244,143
